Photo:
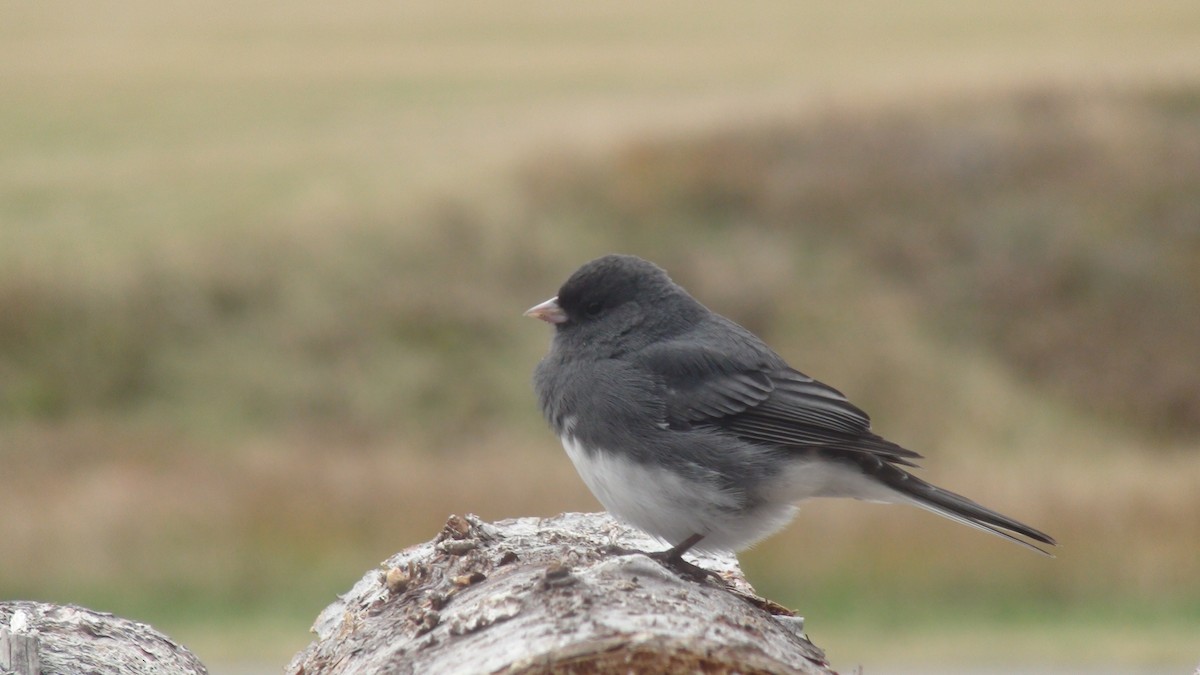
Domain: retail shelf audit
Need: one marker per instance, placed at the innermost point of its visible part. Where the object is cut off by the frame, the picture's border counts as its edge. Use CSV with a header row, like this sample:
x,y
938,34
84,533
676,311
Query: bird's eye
x,y
593,308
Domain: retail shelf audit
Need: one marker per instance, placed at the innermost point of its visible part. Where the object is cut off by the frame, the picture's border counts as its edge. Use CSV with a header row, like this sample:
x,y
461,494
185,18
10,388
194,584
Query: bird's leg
x,y
667,556
673,558
676,552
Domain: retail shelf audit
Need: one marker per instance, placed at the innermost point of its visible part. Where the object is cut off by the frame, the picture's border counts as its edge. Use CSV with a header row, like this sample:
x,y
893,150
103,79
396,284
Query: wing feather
x,y
760,399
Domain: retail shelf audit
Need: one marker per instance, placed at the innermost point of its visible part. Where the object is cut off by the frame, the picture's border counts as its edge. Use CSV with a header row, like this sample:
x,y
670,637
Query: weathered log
x,y
551,596
18,650
70,639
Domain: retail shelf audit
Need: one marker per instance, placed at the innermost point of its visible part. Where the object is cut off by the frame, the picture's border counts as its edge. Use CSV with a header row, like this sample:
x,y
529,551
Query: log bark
x,y
537,595
18,653
70,639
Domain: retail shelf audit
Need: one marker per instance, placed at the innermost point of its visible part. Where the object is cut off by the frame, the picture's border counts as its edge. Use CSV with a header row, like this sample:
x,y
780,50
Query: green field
x,y
262,270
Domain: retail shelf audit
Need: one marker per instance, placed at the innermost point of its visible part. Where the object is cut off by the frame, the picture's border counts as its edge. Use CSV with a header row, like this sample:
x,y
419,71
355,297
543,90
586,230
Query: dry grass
x,y
244,354
292,414
163,528
282,411
142,130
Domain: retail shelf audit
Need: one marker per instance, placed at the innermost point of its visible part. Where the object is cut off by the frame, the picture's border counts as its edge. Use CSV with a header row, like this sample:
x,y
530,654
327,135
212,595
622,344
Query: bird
x,y
687,426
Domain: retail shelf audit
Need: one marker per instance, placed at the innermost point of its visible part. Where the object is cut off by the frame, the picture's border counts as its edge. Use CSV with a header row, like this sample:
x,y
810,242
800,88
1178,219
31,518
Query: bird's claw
x,y
676,563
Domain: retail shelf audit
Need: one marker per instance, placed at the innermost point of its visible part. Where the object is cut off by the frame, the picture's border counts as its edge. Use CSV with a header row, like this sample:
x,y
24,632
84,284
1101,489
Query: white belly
x,y
670,507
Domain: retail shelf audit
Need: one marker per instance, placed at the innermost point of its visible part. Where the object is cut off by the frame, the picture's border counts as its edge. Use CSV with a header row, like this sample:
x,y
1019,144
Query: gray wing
x,y
758,398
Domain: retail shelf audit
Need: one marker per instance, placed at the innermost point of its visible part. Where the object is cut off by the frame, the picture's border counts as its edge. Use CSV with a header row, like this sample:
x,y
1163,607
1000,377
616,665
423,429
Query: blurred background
x,y
262,269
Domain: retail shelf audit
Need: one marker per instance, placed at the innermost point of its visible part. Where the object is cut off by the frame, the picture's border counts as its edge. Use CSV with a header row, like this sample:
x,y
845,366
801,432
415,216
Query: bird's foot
x,y
674,561
670,559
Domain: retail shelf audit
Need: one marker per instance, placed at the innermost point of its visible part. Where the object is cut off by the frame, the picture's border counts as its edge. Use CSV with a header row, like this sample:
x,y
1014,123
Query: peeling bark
x,y
70,639
548,596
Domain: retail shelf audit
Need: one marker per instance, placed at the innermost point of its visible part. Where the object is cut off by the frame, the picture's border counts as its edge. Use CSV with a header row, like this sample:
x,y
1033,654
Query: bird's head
x,y
604,300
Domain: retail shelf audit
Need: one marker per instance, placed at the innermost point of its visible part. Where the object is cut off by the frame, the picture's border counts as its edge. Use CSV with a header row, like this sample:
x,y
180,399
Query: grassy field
x,y
262,269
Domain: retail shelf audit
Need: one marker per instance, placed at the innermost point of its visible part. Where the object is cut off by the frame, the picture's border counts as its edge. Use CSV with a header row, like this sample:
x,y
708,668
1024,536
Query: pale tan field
x,y
238,241
140,127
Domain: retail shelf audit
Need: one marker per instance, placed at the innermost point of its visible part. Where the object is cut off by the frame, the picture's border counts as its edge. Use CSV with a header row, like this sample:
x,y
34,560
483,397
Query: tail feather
x,y
957,507
985,520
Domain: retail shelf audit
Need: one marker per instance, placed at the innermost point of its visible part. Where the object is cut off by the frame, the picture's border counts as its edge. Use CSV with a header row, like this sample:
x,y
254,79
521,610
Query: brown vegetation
x,y
1005,282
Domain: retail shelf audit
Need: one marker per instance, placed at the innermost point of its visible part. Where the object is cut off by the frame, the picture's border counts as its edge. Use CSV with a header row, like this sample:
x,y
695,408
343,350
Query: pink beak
x,y
548,311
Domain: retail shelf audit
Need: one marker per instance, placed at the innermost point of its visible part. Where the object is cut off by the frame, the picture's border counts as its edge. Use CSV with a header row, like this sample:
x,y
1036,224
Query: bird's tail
x,y
962,510
907,488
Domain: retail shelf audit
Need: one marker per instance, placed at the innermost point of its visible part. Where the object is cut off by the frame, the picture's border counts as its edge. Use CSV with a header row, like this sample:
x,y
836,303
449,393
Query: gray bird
x,y
687,426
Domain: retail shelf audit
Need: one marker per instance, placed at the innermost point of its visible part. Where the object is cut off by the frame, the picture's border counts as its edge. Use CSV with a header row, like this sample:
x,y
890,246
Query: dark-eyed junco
x,y
687,426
